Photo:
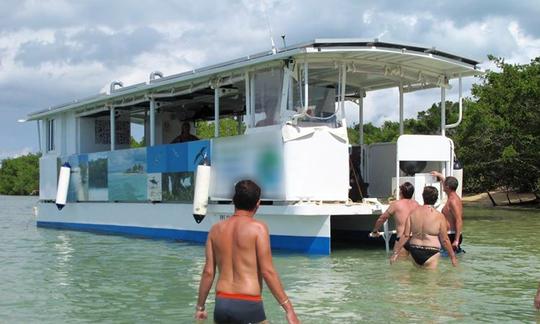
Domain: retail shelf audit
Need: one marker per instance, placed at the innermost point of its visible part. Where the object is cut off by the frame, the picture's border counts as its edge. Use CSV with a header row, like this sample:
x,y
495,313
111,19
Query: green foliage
x,y
20,176
499,140
227,127
134,144
427,122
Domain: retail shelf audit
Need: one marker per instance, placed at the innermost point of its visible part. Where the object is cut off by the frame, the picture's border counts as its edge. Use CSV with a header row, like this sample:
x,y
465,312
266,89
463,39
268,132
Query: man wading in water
x,y
452,210
240,248
400,209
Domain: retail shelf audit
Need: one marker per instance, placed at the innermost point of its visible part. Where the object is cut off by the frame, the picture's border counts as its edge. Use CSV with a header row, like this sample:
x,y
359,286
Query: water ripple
x,y
51,276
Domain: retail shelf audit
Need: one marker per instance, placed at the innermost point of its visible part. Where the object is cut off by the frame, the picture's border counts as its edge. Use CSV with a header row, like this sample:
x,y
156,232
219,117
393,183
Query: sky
x,y
52,52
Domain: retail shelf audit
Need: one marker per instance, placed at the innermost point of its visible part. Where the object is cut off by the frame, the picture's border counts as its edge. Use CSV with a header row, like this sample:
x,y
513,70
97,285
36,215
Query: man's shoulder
x,y
258,225
405,203
454,200
216,226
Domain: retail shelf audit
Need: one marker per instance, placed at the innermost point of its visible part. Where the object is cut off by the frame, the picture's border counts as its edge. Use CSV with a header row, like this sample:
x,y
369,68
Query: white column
x,y
306,86
252,95
216,112
284,92
342,88
113,128
39,137
152,121
249,111
361,118
443,111
401,126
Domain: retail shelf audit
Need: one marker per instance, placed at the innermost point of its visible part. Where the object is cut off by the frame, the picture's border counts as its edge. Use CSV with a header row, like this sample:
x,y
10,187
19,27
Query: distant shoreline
x,y
517,200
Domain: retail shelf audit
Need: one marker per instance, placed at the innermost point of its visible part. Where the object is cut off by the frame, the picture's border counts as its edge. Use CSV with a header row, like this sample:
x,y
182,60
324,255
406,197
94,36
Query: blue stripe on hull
x,y
304,244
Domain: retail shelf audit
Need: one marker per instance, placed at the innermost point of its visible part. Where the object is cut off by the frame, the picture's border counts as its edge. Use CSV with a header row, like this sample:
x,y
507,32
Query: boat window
x,y
296,93
95,131
322,101
50,135
267,96
138,118
322,95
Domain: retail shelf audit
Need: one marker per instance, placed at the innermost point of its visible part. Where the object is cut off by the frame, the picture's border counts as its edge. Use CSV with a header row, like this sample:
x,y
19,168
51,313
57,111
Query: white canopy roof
x,y
371,65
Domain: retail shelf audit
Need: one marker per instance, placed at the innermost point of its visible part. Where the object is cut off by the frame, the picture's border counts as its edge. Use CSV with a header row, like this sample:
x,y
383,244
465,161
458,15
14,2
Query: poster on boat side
x,y
127,175
154,187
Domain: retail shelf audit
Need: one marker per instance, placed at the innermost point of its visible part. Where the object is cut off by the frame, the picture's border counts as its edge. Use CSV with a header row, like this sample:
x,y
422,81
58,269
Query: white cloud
x,y
527,47
5,154
181,37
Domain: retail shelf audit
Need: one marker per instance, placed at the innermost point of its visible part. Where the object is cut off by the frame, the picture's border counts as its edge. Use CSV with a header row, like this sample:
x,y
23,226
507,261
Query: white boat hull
x,y
304,228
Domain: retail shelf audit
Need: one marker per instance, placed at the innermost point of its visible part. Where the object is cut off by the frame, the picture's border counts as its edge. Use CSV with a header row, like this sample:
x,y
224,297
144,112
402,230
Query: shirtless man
x,y
427,228
400,210
240,248
452,210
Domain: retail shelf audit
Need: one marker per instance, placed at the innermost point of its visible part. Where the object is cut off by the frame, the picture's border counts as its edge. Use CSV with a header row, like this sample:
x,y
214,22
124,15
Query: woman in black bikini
x,y
424,230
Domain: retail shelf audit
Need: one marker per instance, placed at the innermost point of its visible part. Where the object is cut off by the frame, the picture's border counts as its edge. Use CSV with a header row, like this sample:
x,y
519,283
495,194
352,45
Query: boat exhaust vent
x,y
155,74
112,88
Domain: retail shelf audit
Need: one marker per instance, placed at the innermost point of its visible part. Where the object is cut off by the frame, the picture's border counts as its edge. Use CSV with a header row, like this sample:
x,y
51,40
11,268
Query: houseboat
x,y
287,107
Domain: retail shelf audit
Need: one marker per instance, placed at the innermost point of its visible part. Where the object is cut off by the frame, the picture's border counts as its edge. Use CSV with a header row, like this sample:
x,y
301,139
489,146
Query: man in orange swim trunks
x,y
240,248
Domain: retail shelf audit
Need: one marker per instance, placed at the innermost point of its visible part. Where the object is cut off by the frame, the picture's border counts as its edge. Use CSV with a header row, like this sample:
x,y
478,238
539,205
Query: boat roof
x,y
420,66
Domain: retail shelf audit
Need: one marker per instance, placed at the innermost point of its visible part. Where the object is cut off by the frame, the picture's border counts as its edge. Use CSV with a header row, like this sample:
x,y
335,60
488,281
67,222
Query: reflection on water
x,y
51,276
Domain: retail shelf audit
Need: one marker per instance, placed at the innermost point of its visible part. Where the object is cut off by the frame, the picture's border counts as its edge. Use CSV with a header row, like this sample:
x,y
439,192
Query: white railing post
x,y
152,121
443,110
113,128
342,88
401,126
306,86
216,111
249,107
361,118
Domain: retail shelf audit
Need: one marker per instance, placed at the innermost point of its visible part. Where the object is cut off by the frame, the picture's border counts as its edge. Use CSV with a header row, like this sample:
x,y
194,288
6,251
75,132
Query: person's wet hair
x,y
246,195
451,183
430,195
407,190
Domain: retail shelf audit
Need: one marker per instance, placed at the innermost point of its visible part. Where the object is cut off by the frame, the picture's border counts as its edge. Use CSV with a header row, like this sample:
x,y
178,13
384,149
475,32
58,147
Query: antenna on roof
x,y
283,38
274,50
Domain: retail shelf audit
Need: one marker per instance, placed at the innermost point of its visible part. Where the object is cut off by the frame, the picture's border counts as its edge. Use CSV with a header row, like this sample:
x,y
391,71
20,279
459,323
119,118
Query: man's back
x,y
240,248
401,211
234,244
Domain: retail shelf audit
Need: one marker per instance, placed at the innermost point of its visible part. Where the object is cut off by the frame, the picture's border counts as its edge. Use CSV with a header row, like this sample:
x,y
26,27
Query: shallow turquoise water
x,y
52,276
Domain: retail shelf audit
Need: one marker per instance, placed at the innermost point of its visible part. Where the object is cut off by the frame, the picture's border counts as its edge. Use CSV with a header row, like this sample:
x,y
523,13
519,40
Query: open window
x,y
192,116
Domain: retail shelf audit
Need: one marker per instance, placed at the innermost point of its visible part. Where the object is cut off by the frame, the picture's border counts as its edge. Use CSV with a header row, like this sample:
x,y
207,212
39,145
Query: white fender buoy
x,y
63,184
202,188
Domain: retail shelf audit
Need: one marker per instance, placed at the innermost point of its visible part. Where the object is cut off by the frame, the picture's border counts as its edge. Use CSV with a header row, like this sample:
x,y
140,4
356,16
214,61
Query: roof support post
x,y
113,127
152,121
443,110
284,91
343,83
252,95
39,137
361,117
306,86
401,126
249,111
216,111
